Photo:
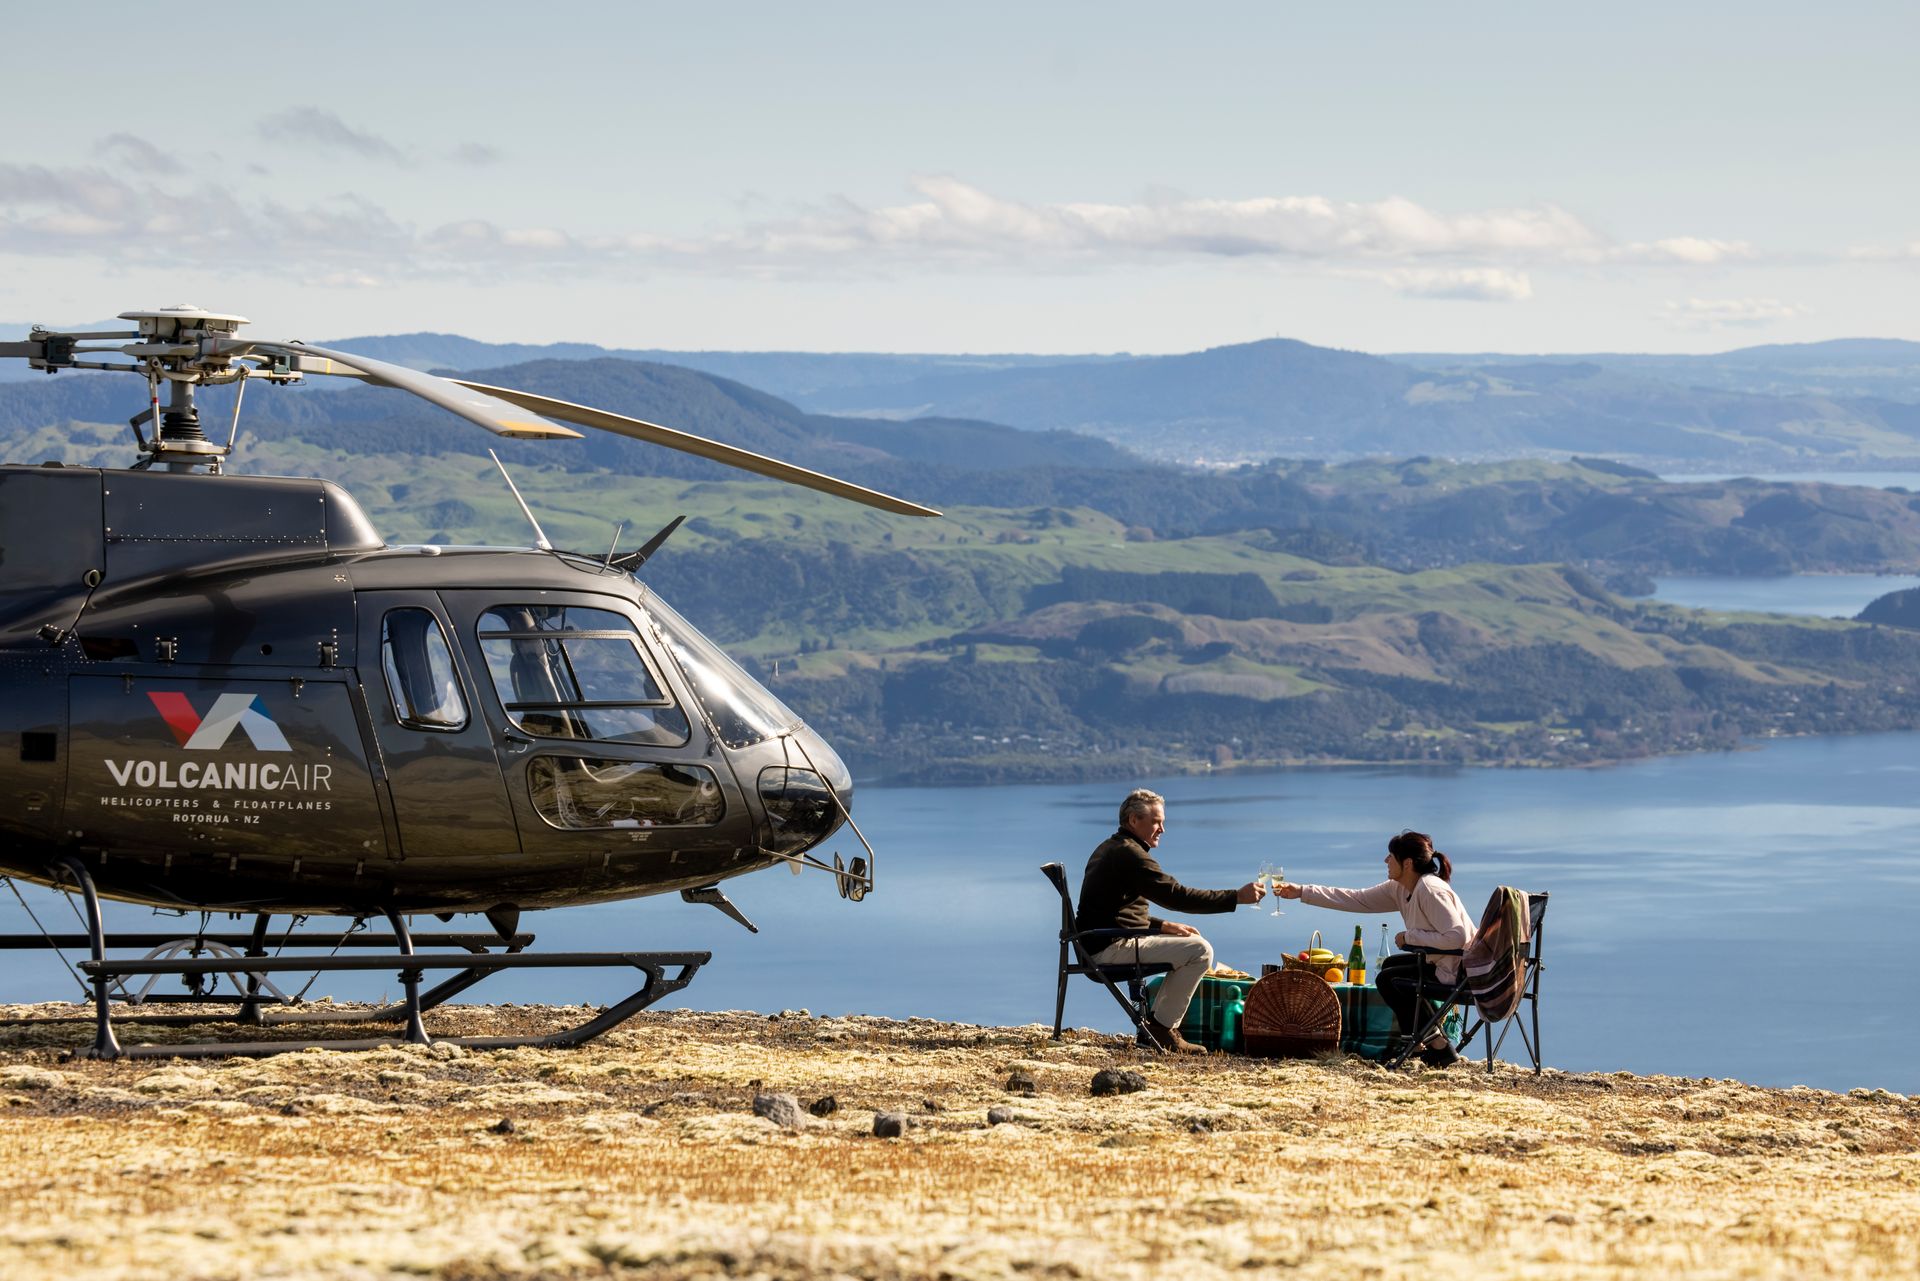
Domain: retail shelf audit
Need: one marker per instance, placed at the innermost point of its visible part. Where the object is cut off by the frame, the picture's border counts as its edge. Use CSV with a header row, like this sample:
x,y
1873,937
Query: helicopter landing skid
x,y
654,965
250,968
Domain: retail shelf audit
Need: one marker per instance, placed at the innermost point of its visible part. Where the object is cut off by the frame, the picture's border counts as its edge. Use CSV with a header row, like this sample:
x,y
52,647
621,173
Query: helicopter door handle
x,y
514,741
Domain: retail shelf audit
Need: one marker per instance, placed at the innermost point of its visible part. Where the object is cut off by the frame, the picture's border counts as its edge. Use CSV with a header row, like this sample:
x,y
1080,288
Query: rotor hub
x,y
183,320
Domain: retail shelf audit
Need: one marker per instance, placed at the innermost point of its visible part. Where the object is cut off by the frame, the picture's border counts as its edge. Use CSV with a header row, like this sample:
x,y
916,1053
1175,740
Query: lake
x,y
1821,595
1742,914
1873,479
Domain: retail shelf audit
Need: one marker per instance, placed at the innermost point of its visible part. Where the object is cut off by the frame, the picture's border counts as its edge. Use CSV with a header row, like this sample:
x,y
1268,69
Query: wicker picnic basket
x,y
1292,1014
1288,961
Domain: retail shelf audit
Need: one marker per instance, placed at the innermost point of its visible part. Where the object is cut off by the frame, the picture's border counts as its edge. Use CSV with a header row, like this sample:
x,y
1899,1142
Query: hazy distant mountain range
x,y
1886,368
1848,403
369,420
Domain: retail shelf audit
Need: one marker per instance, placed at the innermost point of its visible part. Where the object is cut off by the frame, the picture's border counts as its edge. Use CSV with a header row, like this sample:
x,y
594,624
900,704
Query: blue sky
x,y
1059,177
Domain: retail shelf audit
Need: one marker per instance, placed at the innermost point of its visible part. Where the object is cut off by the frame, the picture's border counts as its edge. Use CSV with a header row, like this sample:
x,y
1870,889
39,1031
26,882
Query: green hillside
x,y
1058,642
1079,612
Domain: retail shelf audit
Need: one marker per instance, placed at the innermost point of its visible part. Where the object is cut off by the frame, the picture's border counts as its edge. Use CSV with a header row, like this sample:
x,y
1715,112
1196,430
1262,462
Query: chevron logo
x,y
211,732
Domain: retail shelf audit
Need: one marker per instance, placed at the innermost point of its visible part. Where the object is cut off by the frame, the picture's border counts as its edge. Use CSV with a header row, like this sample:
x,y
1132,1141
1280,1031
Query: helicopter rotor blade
x,y
685,442
474,404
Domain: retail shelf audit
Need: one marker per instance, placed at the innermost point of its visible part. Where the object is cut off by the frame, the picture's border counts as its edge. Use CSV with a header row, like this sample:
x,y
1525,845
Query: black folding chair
x,y
1431,1008
1082,944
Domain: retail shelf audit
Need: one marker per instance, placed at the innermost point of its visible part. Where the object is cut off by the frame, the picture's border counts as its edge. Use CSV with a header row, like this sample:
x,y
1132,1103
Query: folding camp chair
x,y
1432,1005
1082,944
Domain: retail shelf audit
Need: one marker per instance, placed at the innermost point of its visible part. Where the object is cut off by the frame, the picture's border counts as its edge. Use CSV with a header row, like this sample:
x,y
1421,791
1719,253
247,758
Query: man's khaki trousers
x,y
1191,957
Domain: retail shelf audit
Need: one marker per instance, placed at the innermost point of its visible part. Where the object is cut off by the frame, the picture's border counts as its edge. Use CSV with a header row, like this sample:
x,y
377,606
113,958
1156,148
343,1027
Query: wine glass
x,y
1276,877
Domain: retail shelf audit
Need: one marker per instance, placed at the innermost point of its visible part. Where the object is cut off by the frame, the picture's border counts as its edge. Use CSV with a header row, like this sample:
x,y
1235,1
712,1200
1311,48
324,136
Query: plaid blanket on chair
x,y
1496,960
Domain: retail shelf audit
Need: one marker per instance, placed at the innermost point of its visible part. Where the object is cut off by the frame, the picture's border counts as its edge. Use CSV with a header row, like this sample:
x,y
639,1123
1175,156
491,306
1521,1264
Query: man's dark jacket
x,y
1122,878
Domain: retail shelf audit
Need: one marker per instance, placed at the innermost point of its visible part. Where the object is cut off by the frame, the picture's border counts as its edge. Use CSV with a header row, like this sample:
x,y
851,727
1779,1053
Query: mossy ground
x,y
639,1155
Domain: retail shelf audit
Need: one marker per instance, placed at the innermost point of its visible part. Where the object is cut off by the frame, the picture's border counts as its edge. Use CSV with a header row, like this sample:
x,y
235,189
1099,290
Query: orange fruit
x,y
1333,975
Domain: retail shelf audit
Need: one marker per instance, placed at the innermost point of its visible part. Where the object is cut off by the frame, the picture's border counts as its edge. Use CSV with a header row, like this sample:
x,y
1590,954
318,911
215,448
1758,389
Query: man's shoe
x,y
1170,1040
1440,1056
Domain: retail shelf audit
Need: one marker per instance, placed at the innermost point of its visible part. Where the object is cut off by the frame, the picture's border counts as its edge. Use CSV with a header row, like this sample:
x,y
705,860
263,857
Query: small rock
x,y
929,1105
825,1105
1199,1125
889,1125
504,1125
1564,1220
1117,1081
999,1116
781,1109
1022,1082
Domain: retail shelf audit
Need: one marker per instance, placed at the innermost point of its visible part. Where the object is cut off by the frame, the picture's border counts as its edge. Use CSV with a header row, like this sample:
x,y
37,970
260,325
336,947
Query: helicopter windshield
x,y
742,710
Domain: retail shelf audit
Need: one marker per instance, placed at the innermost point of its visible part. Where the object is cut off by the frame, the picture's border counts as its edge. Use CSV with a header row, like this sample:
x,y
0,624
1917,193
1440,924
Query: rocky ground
x,y
643,1155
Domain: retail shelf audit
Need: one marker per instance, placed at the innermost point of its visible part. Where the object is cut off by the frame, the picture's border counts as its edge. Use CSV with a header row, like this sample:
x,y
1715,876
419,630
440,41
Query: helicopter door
x,y
601,756
448,796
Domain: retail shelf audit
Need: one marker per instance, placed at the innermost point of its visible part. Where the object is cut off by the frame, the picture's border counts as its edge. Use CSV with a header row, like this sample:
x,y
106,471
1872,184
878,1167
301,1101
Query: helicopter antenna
x,y
618,530
539,534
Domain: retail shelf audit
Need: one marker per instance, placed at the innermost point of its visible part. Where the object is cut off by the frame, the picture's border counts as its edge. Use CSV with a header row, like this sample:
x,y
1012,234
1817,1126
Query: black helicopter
x,y
224,693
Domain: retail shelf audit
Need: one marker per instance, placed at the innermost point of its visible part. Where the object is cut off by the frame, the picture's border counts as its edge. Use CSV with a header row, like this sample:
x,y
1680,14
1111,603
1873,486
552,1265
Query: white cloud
x,y
1885,253
84,210
170,220
1473,284
139,155
476,154
957,219
1686,250
319,127
345,280
1721,313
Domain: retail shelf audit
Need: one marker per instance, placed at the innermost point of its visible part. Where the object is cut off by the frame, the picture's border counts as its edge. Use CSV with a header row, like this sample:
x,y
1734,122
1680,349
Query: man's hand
x,y
1252,892
1177,929
1287,890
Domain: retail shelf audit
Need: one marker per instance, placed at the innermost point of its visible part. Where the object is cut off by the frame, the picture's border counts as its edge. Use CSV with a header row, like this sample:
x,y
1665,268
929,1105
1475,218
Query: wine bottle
x,y
1357,959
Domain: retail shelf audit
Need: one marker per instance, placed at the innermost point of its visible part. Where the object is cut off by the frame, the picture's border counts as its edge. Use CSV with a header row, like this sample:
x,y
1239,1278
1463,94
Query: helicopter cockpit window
x,y
742,709
564,671
576,793
419,668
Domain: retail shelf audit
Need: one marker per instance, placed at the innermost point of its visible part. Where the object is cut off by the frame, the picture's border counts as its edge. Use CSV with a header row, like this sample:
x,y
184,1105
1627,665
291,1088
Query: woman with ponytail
x,y
1416,887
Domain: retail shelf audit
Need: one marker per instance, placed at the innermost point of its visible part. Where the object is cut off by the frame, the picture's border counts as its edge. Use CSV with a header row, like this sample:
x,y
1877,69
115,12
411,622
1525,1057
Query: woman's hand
x,y
1287,891
1400,939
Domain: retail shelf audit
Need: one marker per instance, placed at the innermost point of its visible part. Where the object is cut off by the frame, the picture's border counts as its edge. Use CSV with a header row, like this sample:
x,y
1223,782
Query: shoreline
x,y
1188,767
641,1155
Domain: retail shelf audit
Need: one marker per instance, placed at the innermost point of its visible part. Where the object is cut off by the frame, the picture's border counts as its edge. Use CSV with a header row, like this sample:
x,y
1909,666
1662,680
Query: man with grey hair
x,y
1122,878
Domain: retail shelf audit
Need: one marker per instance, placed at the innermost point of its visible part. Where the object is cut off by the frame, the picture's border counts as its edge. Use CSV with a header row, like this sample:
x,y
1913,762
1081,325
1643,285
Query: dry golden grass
x,y
640,1155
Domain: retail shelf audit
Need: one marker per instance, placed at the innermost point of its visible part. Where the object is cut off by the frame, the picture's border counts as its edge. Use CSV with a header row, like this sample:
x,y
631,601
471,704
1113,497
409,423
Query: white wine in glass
x,y
1275,880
